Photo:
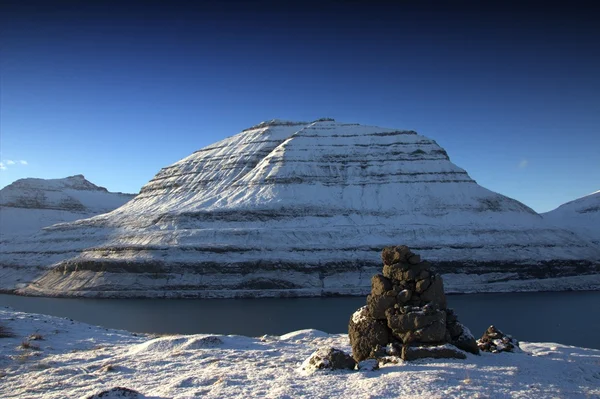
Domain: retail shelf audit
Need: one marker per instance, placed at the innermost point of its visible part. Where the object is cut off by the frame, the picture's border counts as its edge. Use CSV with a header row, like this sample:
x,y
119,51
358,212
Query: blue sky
x,y
117,90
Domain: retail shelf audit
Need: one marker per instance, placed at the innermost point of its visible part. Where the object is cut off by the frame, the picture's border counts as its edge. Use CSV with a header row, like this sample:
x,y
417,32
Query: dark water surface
x,y
571,318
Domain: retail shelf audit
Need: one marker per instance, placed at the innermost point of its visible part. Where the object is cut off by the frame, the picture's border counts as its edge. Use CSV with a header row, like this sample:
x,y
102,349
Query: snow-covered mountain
x,y
296,208
27,205
581,216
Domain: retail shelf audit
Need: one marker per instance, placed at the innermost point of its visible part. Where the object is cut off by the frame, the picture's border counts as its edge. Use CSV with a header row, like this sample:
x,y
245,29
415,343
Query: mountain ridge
x,y
581,215
29,204
286,208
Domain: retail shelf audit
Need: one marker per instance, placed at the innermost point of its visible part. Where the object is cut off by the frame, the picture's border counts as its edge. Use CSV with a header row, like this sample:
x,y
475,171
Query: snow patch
x,y
67,364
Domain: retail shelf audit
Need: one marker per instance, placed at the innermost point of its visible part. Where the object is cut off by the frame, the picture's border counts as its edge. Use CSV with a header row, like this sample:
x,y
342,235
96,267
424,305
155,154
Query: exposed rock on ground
x,y
368,365
329,358
117,393
495,341
406,314
436,351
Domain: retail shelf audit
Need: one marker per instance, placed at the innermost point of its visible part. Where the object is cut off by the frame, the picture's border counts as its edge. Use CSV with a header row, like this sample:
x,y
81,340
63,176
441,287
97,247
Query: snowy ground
x,y
76,360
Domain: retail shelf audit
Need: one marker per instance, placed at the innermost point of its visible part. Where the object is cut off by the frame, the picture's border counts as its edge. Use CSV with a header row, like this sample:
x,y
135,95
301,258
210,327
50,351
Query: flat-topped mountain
x,y
295,208
27,205
581,216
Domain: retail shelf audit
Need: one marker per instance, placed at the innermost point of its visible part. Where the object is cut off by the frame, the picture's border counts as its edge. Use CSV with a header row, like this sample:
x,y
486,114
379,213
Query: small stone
x,y
329,358
465,340
378,352
408,338
410,274
380,284
403,296
430,309
422,285
417,320
378,304
454,329
394,349
394,272
435,293
391,255
117,392
451,316
390,360
436,352
406,309
424,274
368,365
425,265
414,259
366,334
435,332
415,301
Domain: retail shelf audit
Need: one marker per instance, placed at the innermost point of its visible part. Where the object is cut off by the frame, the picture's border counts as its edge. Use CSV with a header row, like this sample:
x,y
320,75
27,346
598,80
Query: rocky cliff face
x,y
581,216
294,208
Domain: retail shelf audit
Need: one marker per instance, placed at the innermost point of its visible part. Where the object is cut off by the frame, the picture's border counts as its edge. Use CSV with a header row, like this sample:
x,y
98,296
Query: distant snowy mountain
x,y
581,216
27,205
296,208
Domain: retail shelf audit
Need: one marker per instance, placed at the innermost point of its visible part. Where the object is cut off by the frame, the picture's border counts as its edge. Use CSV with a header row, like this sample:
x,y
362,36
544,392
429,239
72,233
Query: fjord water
x,y
571,318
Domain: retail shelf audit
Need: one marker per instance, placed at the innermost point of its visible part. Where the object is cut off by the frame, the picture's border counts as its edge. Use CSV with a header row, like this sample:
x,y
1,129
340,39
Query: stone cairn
x,y
406,314
495,341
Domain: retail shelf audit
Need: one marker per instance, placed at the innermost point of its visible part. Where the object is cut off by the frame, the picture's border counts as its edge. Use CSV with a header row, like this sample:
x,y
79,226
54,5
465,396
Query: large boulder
x,y
366,334
416,319
380,285
459,335
391,255
378,304
434,294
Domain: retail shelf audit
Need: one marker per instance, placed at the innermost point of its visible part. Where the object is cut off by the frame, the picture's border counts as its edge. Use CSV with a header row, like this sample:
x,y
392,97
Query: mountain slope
x,y
294,208
27,205
581,216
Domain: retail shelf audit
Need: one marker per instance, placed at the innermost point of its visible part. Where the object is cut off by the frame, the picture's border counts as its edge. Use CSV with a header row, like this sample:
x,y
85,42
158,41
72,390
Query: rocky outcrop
x,y
297,209
329,358
117,392
495,341
406,314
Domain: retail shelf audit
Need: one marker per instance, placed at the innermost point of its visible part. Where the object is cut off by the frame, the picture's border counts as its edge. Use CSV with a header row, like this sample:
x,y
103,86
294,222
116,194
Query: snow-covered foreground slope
x,y
76,360
295,208
28,205
581,216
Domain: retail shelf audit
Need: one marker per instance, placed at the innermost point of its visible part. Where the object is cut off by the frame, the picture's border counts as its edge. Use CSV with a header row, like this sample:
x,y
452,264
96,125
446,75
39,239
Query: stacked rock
x,y
406,314
495,341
